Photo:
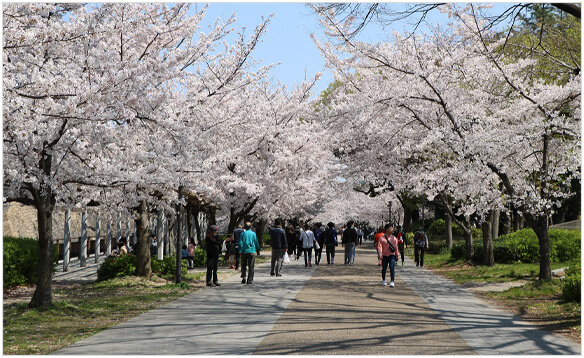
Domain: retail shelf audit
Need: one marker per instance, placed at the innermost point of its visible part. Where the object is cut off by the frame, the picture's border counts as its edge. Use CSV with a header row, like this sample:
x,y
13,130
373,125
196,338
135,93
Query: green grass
x,y
462,273
81,311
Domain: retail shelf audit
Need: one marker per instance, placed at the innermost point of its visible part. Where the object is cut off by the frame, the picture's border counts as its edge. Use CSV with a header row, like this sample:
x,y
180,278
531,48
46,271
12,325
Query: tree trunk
x,y
448,228
469,252
260,228
507,223
488,257
143,267
407,219
539,224
43,294
495,223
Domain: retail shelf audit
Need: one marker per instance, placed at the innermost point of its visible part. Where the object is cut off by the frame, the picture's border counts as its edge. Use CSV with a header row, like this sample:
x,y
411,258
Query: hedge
x,y
523,247
572,283
120,266
21,261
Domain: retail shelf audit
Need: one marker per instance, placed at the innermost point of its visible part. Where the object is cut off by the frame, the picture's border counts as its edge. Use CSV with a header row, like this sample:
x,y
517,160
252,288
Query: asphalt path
x,y
333,310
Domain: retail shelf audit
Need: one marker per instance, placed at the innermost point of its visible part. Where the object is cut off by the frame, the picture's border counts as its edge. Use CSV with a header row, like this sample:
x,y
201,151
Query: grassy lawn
x,y
536,301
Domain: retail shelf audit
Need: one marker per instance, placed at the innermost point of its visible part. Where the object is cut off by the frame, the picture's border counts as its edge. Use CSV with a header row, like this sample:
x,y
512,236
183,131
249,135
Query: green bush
x,y
565,245
21,261
437,228
167,266
571,291
523,247
115,266
200,257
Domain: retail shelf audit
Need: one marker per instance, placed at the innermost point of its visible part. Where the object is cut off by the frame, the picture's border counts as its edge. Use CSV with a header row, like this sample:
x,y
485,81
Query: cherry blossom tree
x,y
447,115
88,94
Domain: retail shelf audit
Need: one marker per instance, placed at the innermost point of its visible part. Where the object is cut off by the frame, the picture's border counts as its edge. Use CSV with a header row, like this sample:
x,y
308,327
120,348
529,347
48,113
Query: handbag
x,y
391,247
286,258
316,245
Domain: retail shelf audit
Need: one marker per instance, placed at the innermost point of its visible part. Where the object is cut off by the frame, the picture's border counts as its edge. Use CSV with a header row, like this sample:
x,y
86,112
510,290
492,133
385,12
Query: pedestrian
x,y
319,236
248,247
291,240
279,247
401,243
230,251
348,241
236,233
380,233
420,246
191,253
308,242
213,247
298,241
330,238
387,250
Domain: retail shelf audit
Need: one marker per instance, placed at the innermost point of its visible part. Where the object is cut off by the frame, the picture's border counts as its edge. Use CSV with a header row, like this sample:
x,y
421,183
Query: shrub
x,y
565,245
167,266
437,228
200,257
267,239
21,261
571,291
115,266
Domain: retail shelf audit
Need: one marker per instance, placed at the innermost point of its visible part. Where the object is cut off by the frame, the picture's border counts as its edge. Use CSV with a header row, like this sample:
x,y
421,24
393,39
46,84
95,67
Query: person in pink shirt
x,y
386,251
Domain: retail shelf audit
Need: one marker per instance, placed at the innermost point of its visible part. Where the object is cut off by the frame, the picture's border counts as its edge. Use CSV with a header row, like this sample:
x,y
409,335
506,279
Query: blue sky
x,y
288,38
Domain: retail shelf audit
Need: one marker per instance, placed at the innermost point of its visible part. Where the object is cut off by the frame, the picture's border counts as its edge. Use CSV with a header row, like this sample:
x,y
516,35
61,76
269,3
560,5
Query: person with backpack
x,y
387,251
420,246
401,243
330,239
378,235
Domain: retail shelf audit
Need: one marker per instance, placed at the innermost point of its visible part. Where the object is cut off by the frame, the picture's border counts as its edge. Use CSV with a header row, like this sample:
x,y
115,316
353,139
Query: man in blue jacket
x,y
248,247
279,247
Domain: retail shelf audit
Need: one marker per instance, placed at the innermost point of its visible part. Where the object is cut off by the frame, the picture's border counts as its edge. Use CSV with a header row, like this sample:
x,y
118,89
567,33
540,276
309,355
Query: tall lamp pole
x,y
178,236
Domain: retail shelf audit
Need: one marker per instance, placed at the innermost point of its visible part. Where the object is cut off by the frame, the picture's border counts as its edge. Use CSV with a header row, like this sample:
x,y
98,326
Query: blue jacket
x,y
248,242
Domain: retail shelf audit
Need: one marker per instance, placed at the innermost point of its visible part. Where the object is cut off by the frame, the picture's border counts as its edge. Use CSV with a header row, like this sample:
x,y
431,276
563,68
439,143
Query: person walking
x,y
330,239
191,254
379,234
387,250
236,233
249,247
319,236
401,243
298,241
307,239
291,240
279,247
420,246
213,247
349,240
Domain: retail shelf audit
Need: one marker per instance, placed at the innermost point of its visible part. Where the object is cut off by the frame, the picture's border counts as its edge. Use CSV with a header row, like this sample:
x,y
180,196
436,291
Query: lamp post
x,y
178,247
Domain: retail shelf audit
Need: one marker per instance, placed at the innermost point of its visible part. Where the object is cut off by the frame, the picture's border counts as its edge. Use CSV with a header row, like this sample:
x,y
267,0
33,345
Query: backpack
x,y
419,239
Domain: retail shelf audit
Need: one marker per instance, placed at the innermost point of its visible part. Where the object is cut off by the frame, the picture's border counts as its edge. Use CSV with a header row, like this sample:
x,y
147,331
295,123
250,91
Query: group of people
x,y
300,240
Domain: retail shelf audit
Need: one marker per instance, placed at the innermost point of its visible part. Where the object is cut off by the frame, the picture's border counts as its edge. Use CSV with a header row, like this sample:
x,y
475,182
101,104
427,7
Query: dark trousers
x,y
317,255
247,266
401,249
330,254
419,254
212,268
307,256
277,261
388,260
236,257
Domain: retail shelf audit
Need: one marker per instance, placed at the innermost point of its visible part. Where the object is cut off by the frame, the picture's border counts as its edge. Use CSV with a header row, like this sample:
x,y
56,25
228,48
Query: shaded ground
x,y
345,310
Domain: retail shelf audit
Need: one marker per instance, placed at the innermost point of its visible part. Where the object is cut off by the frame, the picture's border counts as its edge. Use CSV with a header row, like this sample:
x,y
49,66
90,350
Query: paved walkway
x,y
327,310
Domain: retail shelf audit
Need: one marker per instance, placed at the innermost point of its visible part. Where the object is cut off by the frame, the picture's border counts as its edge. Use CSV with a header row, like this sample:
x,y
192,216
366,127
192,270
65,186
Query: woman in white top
x,y
307,238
